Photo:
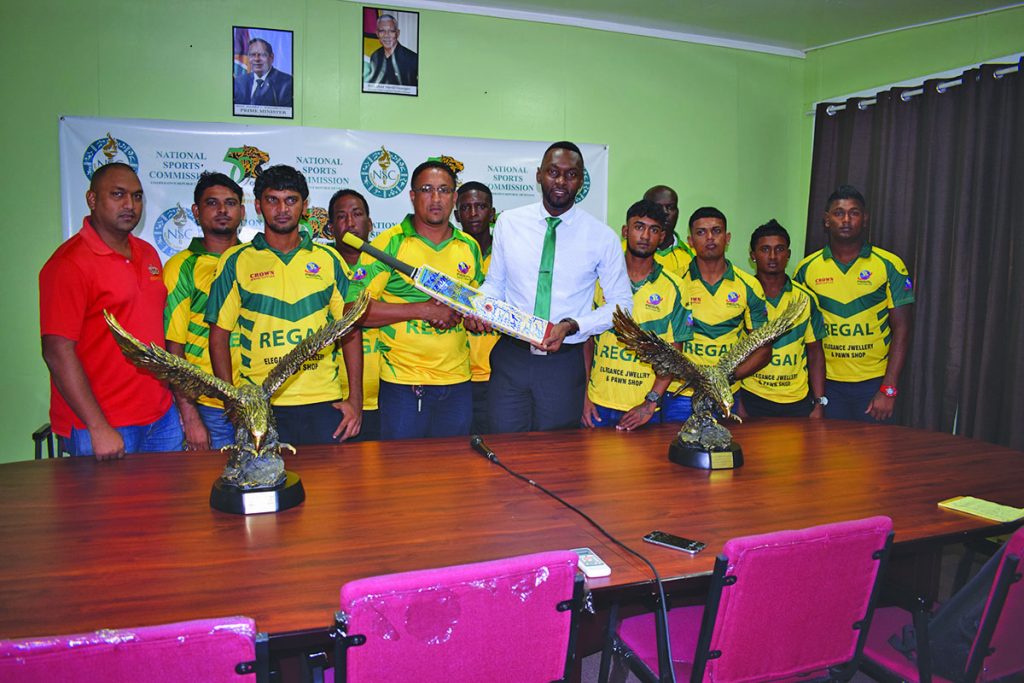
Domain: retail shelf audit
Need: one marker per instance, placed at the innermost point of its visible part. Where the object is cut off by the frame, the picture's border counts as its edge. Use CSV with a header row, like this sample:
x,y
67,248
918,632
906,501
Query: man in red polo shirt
x,y
99,402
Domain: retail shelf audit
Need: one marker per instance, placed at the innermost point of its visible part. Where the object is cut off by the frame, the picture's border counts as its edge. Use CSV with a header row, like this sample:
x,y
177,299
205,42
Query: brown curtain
x,y
943,175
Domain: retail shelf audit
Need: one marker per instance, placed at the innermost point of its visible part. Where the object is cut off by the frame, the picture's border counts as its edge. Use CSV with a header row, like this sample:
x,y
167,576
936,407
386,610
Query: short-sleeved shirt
x,y
481,344
413,351
618,380
188,276
720,314
855,299
83,278
274,300
371,350
784,379
676,259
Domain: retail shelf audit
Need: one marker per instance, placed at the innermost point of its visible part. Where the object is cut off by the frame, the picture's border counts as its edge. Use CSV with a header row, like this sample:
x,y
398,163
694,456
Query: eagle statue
x,y
712,390
255,460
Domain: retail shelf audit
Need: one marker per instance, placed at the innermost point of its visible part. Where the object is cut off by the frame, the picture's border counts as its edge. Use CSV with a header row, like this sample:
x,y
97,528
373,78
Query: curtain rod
x,y
907,94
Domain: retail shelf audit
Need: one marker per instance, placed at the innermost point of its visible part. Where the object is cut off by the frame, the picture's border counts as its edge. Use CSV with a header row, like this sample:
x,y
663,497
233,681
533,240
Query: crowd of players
x,y
418,368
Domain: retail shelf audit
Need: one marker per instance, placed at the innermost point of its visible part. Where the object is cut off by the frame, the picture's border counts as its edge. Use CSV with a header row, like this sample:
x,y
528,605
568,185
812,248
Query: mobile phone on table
x,y
687,545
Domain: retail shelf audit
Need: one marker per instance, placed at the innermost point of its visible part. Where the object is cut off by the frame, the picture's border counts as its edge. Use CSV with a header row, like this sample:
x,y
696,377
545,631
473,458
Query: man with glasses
x,y
424,366
263,85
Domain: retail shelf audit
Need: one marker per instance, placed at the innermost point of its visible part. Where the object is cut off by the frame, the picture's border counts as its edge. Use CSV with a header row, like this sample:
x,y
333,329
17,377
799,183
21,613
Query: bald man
x,y
673,254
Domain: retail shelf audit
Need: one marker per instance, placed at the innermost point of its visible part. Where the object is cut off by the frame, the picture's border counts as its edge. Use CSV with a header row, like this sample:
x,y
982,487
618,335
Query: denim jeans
x,y
163,435
849,400
415,411
675,409
221,431
308,425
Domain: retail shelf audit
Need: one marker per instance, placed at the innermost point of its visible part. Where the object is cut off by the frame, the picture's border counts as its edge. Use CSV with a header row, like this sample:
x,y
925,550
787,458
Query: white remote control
x,y
590,564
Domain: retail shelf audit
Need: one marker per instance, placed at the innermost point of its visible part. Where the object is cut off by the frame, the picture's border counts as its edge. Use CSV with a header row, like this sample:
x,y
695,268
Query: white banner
x,y
170,155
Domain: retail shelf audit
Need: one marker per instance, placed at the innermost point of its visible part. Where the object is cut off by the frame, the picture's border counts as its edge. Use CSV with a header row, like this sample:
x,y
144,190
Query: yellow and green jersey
x,y
480,344
188,276
784,379
617,379
371,350
274,300
414,352
720,314
676,259
855,299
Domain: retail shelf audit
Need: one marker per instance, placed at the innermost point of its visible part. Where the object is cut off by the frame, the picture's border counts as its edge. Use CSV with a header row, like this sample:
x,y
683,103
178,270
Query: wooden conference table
x,y
91,545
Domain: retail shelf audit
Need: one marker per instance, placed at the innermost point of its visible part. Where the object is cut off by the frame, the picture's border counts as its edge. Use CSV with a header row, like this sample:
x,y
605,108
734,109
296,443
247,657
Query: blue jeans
x,y
675,409
308,425
610,416
370,431
416,411
220,430
849,400
163,435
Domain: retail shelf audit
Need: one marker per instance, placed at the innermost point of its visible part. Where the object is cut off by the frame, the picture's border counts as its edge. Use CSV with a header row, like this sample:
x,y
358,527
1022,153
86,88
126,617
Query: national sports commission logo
x,y
584,188
108,150
174,230
384,174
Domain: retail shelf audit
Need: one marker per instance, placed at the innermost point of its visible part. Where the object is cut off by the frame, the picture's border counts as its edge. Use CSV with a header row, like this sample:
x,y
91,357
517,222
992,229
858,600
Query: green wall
x,y
724,127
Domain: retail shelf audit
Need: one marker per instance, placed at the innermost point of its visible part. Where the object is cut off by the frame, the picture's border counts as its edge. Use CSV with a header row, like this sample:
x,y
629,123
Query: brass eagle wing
x,y
649,348
766,334
311,345
184,376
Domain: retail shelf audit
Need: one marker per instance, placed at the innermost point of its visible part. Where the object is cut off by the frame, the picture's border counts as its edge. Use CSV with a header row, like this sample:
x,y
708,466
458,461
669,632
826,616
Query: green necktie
x,y
542,305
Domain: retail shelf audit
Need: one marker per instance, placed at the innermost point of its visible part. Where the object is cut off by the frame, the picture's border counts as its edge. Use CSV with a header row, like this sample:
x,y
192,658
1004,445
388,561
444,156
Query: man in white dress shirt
x,y
546,259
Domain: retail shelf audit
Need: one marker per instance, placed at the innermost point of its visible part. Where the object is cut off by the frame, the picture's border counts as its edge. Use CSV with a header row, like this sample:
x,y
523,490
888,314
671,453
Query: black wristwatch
x,y
574,327
652,396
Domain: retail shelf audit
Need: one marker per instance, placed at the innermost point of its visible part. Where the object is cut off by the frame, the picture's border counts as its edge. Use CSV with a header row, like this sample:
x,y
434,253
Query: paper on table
x,y
982,508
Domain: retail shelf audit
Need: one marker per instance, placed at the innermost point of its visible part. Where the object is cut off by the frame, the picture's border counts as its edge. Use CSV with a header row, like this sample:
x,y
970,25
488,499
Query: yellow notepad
x,y
982,508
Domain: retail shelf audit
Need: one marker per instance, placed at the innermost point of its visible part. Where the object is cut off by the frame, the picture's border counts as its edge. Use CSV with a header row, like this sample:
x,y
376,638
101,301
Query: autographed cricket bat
x,y
463,298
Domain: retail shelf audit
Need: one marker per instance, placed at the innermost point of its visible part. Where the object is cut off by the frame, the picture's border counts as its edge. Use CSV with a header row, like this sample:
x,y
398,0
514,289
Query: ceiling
x,y
789,27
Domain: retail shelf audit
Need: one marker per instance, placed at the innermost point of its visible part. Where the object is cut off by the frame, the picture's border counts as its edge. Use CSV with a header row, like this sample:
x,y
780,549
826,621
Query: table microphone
x,y
477,443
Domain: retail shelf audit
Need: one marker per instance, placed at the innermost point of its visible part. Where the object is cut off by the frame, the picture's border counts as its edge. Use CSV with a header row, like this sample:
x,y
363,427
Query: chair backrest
x,y
506,620
1001,629
207,650
793,602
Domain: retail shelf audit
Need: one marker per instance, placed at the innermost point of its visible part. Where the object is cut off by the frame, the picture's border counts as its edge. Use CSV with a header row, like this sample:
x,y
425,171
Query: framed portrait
x,y
391,45
262,72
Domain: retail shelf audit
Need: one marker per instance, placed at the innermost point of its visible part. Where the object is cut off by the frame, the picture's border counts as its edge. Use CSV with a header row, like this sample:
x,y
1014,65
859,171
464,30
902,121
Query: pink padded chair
x,y
506,620
789,605
997,651
208,650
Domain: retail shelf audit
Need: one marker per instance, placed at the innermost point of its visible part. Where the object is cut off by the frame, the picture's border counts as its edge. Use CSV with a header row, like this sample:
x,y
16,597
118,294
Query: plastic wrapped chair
x,y
210,650
507,620
789,605
996,650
